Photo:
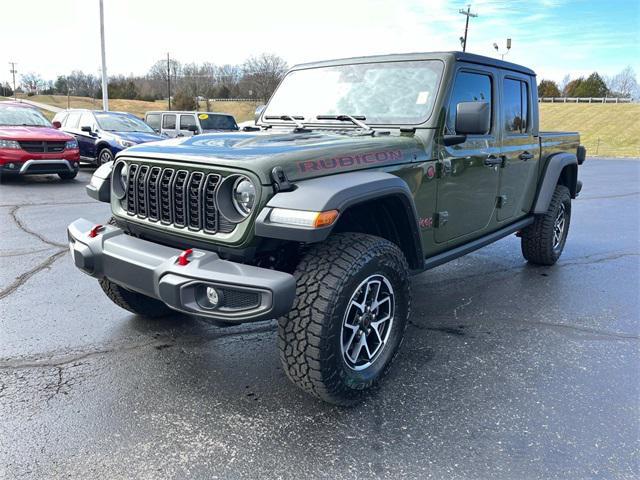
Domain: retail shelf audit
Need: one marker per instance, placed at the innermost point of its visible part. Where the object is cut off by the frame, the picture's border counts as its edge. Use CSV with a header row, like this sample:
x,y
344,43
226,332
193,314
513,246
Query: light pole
x,y
13,72
468,14
105,90
495,45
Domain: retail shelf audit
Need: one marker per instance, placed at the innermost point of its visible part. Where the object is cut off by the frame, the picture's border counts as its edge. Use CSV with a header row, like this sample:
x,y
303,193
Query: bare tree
x,y
32,82
263,73
624,84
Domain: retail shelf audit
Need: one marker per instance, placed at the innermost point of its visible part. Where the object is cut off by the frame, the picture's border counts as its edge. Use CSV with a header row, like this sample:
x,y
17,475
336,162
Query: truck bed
x,y
554,142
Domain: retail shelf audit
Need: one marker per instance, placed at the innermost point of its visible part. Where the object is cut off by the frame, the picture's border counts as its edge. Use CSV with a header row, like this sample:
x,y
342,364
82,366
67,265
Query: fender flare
x,y
337,192
99,188
555,165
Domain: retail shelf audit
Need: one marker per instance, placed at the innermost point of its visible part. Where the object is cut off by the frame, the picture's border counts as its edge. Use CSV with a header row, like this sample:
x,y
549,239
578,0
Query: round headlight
x,y
244,195
124,173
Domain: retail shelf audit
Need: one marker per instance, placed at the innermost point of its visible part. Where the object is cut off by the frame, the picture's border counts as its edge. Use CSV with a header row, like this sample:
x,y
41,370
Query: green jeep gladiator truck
x,y
360,173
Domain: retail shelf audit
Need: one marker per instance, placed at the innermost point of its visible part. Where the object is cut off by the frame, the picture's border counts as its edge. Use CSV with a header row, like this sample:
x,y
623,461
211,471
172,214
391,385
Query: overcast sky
x,y
554,37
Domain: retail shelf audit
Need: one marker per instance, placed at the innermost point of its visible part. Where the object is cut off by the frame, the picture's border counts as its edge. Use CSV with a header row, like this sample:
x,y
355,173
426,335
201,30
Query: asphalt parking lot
x,y
507,370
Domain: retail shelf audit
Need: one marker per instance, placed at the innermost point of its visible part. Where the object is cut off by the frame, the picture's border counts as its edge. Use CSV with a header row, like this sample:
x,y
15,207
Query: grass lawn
x,y
606,130
609,130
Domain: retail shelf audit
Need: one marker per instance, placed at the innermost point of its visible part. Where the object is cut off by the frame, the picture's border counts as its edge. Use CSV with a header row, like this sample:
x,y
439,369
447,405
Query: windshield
x,y
217,122
383,93
115,122
22,116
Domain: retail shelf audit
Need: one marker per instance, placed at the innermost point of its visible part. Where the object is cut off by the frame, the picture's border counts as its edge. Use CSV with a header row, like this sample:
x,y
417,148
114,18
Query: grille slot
x,y
180,198
239,299
42,147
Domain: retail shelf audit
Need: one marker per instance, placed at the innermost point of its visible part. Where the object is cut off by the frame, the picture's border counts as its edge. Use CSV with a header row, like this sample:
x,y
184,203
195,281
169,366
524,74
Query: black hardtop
x,y
444,56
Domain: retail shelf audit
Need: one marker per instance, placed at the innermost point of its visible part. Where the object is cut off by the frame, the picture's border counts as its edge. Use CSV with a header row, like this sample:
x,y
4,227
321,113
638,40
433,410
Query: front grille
x,y
181,198
43,147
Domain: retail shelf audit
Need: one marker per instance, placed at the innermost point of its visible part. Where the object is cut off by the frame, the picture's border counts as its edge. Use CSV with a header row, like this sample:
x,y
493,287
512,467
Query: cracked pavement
x,y
507,370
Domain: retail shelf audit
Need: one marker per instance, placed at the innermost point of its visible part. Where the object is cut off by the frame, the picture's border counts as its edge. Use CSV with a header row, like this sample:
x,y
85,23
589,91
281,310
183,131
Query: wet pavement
x,y
507,370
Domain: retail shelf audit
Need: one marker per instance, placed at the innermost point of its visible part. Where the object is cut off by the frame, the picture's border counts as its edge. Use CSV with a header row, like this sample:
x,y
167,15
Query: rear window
x,y
153,120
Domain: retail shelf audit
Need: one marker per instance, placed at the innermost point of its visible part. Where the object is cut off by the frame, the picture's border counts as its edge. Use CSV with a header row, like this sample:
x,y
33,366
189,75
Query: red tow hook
x,y
93,233
183,257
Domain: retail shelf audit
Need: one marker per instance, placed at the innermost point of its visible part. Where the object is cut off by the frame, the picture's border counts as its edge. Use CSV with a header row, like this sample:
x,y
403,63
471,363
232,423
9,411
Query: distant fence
x,y
584,100
234,100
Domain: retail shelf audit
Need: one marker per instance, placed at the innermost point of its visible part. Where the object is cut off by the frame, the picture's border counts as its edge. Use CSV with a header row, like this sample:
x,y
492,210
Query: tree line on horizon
x,y
255,78
621,85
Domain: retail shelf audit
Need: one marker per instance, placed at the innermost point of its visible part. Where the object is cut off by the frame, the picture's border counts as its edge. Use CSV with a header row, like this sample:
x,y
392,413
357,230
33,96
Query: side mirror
x,y
56,124
193,128
86,128
258,112
473,118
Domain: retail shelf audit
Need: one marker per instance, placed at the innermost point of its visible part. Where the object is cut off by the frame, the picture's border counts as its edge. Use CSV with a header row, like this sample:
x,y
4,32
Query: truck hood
x,y
301,155
33,134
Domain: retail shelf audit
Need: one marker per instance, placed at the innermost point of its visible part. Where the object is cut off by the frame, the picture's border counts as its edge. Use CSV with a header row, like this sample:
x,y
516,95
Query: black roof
x,y
397,57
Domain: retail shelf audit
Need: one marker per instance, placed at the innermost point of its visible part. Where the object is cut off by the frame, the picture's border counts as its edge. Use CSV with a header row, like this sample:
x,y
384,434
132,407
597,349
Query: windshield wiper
x,y
294,119
356,120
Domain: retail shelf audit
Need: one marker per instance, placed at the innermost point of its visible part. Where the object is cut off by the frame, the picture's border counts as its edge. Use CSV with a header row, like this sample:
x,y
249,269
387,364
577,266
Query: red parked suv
x,y
29,144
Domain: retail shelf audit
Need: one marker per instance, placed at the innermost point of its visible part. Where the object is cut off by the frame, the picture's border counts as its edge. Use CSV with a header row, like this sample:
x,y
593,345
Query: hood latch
x,y
280,181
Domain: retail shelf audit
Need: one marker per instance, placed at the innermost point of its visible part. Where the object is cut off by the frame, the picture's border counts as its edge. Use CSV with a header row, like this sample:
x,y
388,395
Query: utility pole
x,y
468,14
105,89
13,72
169,79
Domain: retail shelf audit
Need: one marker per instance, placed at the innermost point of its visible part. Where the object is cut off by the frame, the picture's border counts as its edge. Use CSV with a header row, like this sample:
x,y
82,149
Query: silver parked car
x,y
183,124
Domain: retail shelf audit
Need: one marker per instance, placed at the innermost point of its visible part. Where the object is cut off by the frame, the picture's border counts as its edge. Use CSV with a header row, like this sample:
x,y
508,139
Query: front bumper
x,y
247,293
41,166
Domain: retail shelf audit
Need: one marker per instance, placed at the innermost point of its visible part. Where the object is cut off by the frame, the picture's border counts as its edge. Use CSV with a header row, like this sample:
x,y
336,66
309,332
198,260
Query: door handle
x,y
525,156
493,161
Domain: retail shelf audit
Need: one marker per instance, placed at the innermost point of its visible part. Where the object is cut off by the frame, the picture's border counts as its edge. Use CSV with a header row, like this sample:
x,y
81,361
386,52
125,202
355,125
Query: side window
x,y
86,120
153,120
468,87
186,121
72,120
515,106
169,122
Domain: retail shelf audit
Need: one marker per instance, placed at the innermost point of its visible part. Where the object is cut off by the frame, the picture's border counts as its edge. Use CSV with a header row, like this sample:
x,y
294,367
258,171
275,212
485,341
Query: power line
x,y
468,14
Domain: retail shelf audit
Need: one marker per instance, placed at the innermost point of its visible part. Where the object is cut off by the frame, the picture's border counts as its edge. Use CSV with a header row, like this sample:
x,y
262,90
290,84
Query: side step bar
x,y
456,252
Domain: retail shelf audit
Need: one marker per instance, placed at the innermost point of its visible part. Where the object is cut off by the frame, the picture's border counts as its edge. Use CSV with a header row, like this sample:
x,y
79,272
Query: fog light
x,y
11,165
212,297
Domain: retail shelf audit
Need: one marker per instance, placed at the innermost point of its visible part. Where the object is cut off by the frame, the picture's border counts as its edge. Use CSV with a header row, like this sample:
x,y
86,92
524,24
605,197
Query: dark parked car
x,y
102,134
392,165
30,145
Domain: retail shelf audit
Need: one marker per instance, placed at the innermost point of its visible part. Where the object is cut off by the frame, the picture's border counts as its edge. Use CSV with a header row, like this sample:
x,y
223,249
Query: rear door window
x,y
468,87
515,106
186,121
153,120
169,121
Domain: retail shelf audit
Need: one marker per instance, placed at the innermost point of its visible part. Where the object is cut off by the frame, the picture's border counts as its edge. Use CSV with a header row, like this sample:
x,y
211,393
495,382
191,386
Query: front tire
x,y
349,317
543,241
133,301
104,156
68,175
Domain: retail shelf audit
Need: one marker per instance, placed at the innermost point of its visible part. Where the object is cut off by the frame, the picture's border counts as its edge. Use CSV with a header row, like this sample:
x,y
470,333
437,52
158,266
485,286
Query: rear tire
x,y
320,340
542,242
133,301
